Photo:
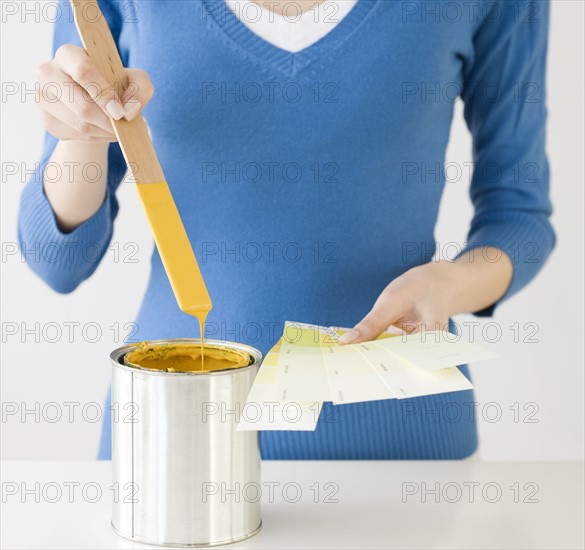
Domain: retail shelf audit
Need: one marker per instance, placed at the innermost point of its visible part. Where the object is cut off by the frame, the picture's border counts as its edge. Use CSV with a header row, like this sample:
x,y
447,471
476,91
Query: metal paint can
x,y
181,469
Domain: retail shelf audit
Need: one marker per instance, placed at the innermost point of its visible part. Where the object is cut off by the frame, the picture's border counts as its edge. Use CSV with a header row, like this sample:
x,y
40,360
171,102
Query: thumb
x,y
139,92
372,325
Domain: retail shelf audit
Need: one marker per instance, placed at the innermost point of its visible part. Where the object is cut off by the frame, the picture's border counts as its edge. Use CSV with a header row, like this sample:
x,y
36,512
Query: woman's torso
x,y
306,183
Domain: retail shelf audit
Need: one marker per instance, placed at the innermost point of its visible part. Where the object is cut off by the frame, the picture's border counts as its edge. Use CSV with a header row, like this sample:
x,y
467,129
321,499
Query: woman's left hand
x,y
426,296
417,300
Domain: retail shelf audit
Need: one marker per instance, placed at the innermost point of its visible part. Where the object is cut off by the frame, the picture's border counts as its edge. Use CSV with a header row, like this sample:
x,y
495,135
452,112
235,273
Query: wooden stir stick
x,y
165,222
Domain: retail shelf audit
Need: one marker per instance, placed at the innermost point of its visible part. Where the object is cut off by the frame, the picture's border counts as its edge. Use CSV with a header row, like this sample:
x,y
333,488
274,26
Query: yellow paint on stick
x,y
175,251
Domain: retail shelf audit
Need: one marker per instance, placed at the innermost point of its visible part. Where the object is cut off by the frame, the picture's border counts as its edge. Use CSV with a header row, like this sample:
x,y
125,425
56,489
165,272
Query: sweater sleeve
x,y
64,260
504,95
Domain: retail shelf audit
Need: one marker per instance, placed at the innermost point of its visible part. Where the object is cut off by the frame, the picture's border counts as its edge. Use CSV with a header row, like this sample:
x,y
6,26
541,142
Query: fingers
x,y
75,62
65,99
370,327
62,131
407,313
385,312
411,327
77,103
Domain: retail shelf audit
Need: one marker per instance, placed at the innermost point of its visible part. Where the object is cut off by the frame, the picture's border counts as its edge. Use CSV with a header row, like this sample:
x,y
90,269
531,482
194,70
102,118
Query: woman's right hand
x,y
76,103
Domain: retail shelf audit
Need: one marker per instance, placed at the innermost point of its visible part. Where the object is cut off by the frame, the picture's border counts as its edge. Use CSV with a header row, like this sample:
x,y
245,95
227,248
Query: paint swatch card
x,y
307,367
407,380
434,350
268,409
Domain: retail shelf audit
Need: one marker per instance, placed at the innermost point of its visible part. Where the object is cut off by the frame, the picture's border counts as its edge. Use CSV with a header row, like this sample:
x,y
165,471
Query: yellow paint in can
x,y
185,357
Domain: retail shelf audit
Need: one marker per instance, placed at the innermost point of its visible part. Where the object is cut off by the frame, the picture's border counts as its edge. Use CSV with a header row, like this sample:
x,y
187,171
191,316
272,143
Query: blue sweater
x,y
308,181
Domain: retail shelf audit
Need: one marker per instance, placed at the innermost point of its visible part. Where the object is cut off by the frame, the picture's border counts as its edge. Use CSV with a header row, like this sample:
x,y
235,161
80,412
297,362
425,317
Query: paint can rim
x,y
117,357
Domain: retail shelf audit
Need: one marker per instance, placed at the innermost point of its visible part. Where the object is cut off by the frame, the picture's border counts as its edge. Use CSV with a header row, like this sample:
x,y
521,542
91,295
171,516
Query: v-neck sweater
x,y
308,181
292,30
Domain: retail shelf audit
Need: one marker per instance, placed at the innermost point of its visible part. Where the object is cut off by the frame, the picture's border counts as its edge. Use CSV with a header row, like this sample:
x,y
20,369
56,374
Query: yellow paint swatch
x,y
306,367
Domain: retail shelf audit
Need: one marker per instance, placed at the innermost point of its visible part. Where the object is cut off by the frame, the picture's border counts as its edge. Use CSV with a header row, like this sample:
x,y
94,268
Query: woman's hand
x,y
76,103
426,296
77,107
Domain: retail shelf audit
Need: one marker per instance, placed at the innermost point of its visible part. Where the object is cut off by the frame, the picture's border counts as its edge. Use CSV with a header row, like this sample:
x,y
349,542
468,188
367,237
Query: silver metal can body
x,y
181,470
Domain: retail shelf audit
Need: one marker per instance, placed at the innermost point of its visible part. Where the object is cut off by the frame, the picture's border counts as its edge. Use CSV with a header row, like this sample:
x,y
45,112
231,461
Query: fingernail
x,y
115,110
349,336
132,107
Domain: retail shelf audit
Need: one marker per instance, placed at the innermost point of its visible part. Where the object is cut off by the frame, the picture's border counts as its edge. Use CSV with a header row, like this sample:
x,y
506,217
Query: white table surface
x,y
375,505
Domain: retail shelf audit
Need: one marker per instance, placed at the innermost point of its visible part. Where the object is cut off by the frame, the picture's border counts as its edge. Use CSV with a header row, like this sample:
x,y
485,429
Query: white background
x,y
548,374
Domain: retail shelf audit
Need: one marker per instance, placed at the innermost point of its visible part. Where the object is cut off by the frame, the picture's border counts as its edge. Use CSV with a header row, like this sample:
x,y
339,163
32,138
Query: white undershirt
x,y
291,31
